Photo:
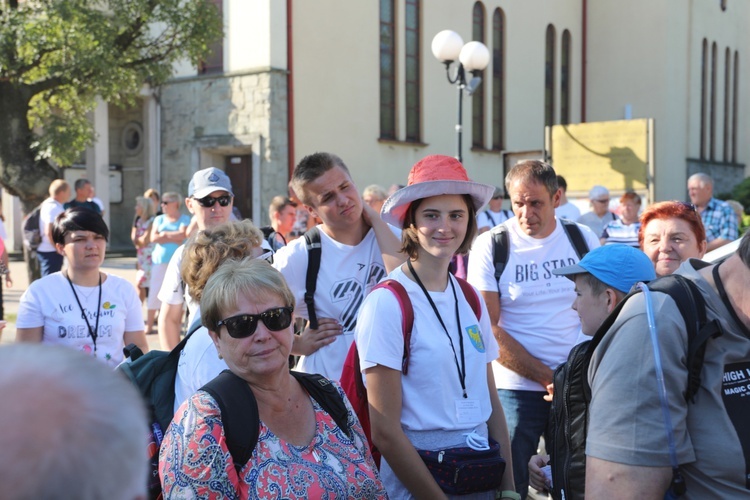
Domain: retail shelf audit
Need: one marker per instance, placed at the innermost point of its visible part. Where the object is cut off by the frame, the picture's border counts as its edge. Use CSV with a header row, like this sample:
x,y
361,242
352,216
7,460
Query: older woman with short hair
x,y
301,451
671,232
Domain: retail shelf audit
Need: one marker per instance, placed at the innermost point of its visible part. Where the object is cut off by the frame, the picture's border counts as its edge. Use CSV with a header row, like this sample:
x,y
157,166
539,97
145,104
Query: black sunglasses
x,y
244,325
210,201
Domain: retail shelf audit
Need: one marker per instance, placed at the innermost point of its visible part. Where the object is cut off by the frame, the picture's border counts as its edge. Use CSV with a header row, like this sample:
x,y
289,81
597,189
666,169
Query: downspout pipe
x,y
290,88
584,42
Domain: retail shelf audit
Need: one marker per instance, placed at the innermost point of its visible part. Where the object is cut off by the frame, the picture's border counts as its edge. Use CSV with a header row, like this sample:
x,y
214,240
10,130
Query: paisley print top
x,y
194,461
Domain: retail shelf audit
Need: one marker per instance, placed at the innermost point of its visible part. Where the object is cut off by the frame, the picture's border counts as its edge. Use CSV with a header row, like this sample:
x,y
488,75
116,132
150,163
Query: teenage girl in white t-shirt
x,y
81,307
447,398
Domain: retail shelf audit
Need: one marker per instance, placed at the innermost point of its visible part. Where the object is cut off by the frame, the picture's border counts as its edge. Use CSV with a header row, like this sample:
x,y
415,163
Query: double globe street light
x,y
473,57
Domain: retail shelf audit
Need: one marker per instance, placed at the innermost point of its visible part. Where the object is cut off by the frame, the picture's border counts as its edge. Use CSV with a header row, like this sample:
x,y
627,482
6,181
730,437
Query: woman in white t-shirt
x,y
82,307
204,252
447,398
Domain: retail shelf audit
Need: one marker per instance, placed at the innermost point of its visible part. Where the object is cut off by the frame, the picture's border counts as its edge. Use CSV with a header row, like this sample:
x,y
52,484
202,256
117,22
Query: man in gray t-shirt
x,y
627,448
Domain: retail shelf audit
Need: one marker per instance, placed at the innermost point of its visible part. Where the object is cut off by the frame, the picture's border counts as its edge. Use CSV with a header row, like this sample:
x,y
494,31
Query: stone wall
x,y
205,119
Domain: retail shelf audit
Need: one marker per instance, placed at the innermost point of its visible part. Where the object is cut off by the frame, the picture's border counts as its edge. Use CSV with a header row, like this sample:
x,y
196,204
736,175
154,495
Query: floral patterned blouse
x,y
194,461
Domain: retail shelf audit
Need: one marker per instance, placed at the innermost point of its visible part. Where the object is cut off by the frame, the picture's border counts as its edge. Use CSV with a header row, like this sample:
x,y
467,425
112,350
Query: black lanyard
x,y
462,368
94,332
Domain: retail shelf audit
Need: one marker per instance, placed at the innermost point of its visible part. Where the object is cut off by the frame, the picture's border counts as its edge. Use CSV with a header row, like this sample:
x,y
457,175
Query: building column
x,y
151,140
97,155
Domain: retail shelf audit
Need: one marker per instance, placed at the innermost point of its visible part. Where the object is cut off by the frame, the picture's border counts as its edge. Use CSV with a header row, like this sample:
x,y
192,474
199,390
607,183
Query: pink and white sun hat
x,y
434,175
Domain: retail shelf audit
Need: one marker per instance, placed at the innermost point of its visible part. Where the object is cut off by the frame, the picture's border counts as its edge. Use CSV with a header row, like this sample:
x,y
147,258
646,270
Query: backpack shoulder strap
x,y
471,296
500,252
239,415
325,393
575,236
692,307
407,316
312,242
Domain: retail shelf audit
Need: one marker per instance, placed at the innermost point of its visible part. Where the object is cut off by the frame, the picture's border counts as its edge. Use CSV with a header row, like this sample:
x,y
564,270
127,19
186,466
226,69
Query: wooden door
x,y
240,172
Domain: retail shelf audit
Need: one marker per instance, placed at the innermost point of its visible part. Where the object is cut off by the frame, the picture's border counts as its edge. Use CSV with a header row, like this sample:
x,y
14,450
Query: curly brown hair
x,y
206,250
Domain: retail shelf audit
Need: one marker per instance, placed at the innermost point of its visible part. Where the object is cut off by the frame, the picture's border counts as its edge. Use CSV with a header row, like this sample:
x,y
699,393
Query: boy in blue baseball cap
x,y
603,277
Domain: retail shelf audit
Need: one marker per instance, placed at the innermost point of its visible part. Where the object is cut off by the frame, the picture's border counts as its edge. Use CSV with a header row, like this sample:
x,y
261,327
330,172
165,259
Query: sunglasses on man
x,y
244,325
210,201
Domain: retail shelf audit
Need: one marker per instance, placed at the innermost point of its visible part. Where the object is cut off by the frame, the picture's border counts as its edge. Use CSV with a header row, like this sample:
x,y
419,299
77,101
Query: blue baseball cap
x,y
616,265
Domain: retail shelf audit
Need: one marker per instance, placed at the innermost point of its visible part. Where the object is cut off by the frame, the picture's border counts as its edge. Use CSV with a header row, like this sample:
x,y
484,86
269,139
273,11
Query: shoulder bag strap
x,y
312,241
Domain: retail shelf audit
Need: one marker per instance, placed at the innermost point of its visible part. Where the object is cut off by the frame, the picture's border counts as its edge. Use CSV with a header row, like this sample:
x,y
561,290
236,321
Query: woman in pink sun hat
x,y
438,410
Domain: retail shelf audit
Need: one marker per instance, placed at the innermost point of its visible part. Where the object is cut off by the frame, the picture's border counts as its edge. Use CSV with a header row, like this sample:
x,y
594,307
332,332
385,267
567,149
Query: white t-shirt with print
x,y
432,387
199,364
49,210
347,274
534,303
50,302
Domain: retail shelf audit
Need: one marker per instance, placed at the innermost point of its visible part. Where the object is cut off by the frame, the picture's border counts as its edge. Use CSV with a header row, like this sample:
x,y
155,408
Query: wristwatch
x,y
509,494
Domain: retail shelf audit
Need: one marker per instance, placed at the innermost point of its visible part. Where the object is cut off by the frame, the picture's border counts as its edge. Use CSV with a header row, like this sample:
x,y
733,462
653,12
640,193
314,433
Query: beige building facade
x,y
358,79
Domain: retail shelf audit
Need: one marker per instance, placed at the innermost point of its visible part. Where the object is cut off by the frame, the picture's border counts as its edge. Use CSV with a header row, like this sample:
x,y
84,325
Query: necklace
x,y
80,291
94,332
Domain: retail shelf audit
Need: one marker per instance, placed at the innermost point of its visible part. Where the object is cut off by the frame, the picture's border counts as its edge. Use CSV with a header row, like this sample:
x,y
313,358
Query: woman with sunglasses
x,y
167,234
671,233
301,452
445,399
82,307
204,252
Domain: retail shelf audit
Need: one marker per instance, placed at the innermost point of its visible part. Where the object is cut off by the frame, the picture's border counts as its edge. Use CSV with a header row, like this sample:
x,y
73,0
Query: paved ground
x,y
120,266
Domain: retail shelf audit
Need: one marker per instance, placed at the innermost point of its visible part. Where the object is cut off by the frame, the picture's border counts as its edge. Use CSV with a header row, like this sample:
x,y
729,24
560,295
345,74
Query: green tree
x,y
57,56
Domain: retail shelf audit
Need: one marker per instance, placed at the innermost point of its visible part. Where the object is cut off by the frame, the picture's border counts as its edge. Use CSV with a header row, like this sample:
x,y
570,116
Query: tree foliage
x,y
57,56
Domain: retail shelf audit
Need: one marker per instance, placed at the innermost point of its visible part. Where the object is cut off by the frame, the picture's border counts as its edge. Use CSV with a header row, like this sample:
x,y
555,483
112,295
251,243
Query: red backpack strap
x,y
471,296
407,316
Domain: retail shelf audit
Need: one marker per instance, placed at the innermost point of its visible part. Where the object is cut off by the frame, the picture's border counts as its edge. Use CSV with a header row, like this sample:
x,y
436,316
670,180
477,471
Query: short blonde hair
x,y
207,249
249,277
58,186
146,205
376,191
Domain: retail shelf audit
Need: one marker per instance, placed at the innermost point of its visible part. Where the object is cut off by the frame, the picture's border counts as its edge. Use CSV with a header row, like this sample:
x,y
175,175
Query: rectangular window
x,y
413,73
549,77
214,62
477,99
498,74
387,70
565,79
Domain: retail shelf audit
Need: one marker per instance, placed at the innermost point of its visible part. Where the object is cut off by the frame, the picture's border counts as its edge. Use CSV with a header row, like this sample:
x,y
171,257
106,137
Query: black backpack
x,y
501,244
312,242
568,426
32,235
239,409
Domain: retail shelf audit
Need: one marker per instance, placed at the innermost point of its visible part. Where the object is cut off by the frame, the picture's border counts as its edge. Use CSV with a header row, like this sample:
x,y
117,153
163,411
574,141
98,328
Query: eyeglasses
x,y
244,325
601,201
167,202
210,201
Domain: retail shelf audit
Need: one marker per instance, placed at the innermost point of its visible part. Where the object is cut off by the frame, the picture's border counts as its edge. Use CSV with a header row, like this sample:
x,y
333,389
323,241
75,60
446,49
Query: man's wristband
x,y
510,494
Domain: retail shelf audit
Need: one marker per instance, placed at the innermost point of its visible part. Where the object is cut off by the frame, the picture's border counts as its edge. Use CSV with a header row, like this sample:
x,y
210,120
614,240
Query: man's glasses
x,y
244,325
167,202
210,201
601,201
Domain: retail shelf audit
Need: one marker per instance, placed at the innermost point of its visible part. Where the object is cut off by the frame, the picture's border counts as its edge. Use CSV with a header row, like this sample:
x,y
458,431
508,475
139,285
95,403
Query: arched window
x,y
735,98
712,138
498,83
413,72
704,100
727,95
565,79
387,70
549,77
477,99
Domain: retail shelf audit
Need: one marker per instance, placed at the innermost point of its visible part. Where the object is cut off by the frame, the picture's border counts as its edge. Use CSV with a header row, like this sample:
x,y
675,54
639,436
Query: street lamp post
x,y
447,46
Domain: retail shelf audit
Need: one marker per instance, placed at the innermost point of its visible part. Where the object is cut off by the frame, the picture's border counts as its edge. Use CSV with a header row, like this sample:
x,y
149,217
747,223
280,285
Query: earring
x,y
220,356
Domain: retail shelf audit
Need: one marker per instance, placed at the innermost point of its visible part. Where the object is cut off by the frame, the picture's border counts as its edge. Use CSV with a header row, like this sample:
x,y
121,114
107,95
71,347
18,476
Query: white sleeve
x,y
30,313
291,262
134,316
379,334
172,290
483,220
481,270
492,349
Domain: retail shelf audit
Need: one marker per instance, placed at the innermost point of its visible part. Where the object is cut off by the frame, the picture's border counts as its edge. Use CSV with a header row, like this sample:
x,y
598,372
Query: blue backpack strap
x,y
575,236
312,242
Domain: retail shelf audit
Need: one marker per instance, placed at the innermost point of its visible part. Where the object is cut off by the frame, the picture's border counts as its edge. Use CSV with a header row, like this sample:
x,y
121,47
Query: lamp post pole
x,y
447,46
